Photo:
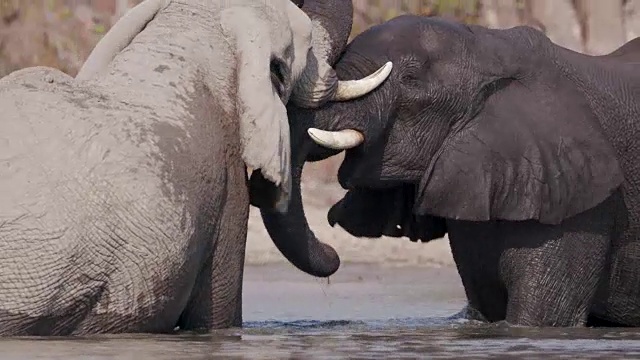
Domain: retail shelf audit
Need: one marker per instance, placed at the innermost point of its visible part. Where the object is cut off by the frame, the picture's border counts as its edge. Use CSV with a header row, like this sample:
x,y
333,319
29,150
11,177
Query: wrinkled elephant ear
x,y
517,161
264,126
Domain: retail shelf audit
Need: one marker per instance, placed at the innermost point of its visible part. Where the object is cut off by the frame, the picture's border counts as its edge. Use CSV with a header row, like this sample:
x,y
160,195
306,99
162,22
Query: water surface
x,y
365,312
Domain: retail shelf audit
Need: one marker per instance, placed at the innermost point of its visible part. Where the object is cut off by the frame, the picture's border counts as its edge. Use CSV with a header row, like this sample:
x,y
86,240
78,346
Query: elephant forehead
x,y
412,34
282,20
301,29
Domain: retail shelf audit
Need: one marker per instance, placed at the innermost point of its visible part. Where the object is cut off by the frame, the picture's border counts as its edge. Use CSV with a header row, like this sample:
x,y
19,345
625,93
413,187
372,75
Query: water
x,y
365,312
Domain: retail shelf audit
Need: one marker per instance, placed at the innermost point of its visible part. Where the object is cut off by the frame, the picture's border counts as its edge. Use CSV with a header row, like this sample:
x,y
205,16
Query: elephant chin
x,y
374,213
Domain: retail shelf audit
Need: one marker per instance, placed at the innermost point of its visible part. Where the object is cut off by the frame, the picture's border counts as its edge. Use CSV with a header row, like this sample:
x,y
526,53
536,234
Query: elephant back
x,y
37,77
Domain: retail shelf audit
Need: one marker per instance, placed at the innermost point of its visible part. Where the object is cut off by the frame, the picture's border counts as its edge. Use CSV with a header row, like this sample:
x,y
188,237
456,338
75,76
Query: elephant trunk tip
x,y
326,264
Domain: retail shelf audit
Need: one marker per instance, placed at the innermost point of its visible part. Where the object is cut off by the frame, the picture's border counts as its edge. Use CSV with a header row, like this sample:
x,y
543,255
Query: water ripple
x,y
402,338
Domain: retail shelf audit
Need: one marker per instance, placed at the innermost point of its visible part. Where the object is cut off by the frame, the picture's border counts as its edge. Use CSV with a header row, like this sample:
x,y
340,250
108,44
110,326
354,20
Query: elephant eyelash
x,y
278,75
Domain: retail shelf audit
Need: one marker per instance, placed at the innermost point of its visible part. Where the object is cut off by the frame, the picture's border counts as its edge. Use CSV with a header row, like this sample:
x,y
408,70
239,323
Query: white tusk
x,y
337,140
352,89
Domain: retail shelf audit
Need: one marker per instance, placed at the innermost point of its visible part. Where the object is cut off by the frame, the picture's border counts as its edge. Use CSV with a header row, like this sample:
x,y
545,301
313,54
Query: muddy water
x,y
364,312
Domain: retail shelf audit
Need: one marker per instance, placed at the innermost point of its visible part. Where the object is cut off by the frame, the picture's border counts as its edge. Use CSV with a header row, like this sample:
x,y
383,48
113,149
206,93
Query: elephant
x,y
125,195
524,152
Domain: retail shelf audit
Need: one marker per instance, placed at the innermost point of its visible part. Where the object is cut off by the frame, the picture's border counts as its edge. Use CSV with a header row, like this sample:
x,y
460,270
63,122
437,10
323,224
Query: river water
x,y
364,312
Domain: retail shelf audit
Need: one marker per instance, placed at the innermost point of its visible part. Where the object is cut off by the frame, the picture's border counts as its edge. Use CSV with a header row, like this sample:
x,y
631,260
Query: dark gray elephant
x,y
524,152
124,201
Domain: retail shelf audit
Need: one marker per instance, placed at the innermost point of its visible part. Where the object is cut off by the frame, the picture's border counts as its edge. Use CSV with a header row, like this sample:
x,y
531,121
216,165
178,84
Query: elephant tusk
x,y
352,89
337,140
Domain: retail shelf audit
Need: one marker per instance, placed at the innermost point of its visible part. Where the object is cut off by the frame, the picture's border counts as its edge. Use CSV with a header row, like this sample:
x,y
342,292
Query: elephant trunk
x,y
290,231
331,21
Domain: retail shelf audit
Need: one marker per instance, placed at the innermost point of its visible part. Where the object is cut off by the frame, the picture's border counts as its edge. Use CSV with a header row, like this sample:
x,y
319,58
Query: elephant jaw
x,y
373,213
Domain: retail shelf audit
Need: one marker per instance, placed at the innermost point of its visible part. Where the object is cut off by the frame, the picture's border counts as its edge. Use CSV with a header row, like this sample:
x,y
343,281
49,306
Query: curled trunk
x,y
331,20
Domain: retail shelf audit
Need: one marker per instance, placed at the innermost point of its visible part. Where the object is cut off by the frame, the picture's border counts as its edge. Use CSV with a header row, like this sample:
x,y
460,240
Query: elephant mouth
x,y
373,213
263,193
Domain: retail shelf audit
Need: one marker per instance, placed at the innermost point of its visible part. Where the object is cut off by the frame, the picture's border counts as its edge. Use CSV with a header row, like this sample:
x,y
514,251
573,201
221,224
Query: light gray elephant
x,y
124,199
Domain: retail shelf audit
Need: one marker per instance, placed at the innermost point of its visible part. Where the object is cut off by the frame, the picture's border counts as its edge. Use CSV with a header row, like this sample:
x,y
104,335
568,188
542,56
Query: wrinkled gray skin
x,y
124,199
524,152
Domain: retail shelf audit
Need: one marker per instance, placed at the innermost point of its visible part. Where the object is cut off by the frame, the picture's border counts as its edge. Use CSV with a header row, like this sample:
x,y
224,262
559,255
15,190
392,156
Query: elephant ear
x,y
530,152
264,126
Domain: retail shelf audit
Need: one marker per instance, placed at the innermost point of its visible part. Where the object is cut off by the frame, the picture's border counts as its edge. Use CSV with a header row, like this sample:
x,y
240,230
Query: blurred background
x,y
61,34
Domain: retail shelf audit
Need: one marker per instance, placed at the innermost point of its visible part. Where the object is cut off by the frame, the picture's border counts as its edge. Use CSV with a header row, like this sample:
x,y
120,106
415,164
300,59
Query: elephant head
x,y
473,124
278,53
331,22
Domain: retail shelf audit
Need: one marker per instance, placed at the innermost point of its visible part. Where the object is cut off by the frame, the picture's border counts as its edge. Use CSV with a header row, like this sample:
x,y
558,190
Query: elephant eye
x,y
278,76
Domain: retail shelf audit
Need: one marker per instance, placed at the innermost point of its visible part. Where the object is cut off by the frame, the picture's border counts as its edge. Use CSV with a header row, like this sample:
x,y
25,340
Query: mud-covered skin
x,y
124,201
525,153
114,202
